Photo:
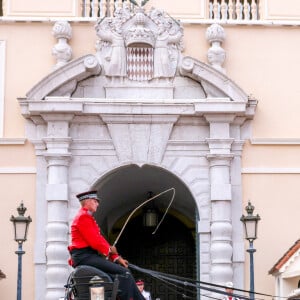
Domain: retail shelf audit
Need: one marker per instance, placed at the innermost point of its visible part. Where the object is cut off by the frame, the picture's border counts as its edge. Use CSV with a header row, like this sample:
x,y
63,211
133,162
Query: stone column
x,y
220,157
57,157
238,257
35,130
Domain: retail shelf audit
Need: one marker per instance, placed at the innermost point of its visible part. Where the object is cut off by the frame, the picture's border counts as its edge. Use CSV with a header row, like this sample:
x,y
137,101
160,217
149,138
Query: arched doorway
x,y
172,249
126,187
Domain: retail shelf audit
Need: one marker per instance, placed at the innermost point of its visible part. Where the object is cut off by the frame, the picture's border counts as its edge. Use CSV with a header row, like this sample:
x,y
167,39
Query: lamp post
x,y
250,225
21,224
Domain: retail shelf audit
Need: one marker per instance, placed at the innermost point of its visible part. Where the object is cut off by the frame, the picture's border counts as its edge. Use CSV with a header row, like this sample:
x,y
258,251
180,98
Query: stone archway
x,y
172,249
126,187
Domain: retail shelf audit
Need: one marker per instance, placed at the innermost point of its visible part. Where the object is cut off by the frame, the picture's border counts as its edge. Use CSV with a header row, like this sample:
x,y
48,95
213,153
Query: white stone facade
x,y
89,117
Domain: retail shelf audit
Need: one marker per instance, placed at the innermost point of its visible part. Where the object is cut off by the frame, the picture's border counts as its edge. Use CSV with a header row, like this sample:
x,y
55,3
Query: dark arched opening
x,y
170,250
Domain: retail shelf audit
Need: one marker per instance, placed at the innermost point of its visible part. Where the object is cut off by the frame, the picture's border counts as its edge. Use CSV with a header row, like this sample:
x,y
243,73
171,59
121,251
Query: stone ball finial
x,y
215,33
62,51
62,29
216,55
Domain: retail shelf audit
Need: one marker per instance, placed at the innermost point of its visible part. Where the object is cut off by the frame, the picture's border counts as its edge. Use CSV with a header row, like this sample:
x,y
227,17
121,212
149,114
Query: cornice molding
x,y
290,262
275,141
183,20
12,141
18,170
267,170
94,106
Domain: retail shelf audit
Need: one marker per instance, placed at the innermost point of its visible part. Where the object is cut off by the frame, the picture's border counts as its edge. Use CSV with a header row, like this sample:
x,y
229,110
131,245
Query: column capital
x,y
39,146
58,159
57,146
219,159
227,141
220,118
239,120
237,146
219,146
53,117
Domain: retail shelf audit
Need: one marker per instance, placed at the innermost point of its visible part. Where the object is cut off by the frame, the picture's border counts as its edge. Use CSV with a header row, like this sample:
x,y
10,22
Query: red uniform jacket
x,y
85,232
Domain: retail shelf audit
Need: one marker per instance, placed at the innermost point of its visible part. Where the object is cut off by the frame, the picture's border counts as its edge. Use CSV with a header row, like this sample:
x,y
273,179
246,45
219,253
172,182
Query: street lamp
x,y
250,224
21,224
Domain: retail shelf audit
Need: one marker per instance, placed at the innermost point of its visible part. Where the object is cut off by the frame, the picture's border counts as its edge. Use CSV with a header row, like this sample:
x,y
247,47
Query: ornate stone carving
x,y
139,45
139,34
114,48
62,50
216,54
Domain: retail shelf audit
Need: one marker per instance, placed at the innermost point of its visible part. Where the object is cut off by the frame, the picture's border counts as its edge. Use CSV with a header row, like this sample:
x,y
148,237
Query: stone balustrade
x,y
101,8
218,9
234,10
238,10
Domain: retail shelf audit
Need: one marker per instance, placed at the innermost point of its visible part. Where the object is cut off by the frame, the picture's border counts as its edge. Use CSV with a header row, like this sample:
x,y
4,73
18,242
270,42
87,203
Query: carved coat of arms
x,y
138,45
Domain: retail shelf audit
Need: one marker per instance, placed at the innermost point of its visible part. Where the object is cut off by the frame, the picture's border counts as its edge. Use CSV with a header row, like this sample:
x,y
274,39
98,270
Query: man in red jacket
x,y
89,247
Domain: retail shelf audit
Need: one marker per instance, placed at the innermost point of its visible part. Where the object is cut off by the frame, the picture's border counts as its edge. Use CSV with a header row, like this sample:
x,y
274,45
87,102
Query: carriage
x,y
89,283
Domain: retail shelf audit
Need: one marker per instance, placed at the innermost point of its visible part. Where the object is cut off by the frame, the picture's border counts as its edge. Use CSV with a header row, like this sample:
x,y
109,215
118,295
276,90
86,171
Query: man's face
x,y
91,205
140,287
229,290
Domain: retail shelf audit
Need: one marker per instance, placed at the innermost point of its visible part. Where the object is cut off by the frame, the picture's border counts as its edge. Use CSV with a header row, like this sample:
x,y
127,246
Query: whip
x,y
141,205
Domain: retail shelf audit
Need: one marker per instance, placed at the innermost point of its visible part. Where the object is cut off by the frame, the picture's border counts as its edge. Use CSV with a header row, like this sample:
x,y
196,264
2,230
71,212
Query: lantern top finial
x,y
21,209
250,208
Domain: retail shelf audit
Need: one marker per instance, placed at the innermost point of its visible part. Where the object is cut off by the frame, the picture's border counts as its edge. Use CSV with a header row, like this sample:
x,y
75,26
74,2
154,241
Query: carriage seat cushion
x,y
88,272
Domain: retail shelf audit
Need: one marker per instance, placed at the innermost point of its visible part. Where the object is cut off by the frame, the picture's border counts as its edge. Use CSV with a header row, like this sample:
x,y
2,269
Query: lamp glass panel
x,y
97,292
250,227
20,231
150,219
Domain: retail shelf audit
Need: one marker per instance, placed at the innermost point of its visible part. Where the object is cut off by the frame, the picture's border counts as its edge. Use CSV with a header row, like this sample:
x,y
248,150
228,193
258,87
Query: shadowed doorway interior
x,y
170,250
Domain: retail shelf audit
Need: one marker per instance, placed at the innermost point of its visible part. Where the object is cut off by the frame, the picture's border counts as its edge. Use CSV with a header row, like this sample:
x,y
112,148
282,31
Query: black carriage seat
x,y
80,282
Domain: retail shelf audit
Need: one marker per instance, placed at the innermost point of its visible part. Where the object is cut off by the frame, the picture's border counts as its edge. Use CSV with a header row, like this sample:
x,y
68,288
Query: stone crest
x,y
139,45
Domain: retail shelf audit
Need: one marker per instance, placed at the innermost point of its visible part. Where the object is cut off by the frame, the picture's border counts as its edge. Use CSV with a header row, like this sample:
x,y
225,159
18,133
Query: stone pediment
x,y
197,80
63,81
215,83
138,56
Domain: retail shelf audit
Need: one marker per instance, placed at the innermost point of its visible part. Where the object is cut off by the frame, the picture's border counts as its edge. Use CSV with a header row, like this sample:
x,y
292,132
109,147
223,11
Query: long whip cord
x,y
141,205
178,281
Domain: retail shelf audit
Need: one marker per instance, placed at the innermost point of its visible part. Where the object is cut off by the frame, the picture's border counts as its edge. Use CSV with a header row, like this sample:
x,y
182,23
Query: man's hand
x,y
113,250
123,262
